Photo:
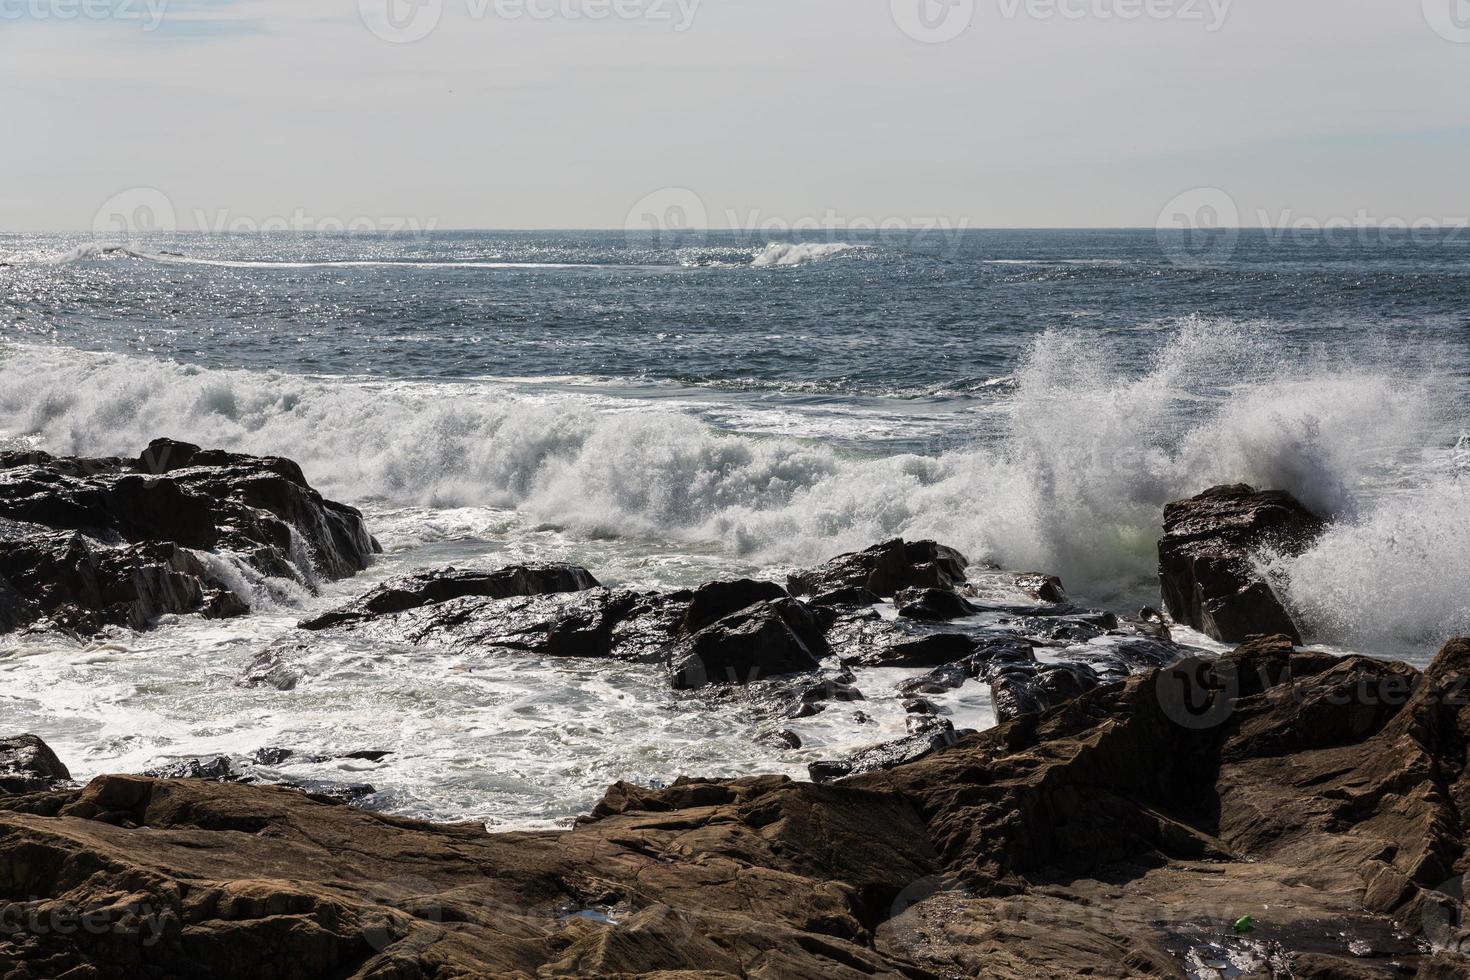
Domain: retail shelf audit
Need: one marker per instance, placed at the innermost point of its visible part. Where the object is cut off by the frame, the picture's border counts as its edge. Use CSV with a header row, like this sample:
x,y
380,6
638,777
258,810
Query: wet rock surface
x,y
1205,557
431,587
91,543
885,570
27,765
772,638
1120,834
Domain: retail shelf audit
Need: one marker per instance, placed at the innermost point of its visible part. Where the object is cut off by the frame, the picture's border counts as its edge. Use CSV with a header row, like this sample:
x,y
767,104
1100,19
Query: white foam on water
x,y
1397,576
100,251
1087,453
800,253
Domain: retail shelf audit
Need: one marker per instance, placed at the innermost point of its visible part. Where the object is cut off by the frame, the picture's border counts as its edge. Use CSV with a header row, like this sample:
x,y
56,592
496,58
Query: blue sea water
x,y
670,408
900,347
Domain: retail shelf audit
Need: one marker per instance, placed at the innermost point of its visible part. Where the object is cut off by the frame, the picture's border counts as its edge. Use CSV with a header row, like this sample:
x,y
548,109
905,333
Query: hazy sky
x,y
513,114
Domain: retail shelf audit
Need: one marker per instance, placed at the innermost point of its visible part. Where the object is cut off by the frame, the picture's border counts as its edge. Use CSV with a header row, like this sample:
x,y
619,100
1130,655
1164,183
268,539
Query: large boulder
x,y
933,605
440,585
716,600
885,570
776,637
27,765
1205,560
89,543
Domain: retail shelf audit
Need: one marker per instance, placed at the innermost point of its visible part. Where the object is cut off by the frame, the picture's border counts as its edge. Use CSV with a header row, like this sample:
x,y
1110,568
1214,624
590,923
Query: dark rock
x,y
920,706
930,650
272,756
322,789
831,690
1047,588
781,738
594,623
88,543
716,600
428,588
780,637
931,738
216,767
272,668
885,570
933,605
27,765
1205,560
938,680
851,596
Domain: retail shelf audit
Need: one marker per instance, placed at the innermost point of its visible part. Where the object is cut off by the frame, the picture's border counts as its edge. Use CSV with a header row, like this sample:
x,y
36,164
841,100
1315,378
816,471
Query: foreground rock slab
x,y
1205,560
1118,835
91,543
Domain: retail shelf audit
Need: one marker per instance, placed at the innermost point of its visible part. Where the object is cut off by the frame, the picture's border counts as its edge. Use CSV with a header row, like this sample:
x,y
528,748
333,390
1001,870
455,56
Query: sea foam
x,y
1089,453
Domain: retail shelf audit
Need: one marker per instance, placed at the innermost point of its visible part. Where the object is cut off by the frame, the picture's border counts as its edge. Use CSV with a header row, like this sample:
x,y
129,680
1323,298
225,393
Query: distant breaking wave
x,y
1075,484
784,253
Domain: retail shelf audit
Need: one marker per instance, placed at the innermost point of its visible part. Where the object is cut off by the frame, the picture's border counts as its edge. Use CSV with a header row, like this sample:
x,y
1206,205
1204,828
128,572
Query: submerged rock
x,y
89,543
1205,560
932,735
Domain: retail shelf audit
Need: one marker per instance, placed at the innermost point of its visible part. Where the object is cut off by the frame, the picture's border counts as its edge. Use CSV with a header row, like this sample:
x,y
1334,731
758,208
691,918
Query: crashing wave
x,y
1075,483
800,253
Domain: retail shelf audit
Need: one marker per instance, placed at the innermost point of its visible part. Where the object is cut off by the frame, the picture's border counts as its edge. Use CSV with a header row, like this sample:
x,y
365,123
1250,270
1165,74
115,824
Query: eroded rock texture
x,y
1205,560
1118,835
91,543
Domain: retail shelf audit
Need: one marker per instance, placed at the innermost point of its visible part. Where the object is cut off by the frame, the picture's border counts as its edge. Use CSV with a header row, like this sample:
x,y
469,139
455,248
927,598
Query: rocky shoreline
x,y
1141,809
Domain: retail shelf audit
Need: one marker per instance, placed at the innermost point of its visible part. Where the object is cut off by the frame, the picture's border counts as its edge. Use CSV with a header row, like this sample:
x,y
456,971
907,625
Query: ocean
x,y
670,408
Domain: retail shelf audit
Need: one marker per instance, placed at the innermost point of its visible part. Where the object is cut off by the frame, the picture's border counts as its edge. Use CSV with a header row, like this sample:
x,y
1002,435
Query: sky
x,y
201,114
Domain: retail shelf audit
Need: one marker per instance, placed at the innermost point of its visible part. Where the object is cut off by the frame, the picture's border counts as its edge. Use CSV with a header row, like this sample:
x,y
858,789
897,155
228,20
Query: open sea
x,y
670,409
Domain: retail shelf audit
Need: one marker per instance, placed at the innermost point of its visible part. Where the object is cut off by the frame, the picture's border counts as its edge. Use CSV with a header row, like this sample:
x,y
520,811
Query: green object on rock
x,y
1244,925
